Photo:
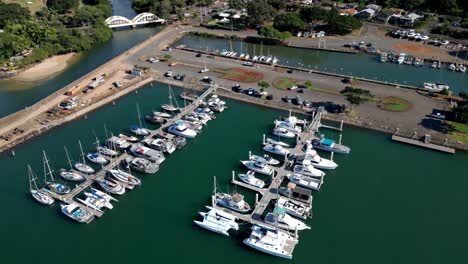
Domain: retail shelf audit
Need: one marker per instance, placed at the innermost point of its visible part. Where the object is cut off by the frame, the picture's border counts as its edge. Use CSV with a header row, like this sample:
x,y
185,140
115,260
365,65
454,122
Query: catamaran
x,y
53,186
70,175
125,177
110,186
329,145
39,195
180,129
250,179
308,170
276,149
283,132
75,212
258,166
305,181
144,165
217,221
82,167
273,242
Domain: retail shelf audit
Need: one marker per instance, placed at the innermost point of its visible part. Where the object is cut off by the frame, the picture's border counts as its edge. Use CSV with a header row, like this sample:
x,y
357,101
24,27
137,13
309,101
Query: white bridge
x,y
141,19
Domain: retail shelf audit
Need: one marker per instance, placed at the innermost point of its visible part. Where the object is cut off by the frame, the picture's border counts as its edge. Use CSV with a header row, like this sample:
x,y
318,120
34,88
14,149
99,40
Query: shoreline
x,y
45,69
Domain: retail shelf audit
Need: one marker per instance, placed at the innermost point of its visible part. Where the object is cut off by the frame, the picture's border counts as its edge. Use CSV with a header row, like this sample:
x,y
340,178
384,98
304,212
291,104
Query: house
x,y
386,15
136,72
347,12
376,8
348,6
409,19
365,14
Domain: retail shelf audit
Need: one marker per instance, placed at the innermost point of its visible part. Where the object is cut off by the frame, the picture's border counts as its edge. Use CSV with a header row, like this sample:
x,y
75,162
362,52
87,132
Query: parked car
x,y
287,99
292,88
198,55
298,101
269,97
248,63
237,88
179,77
206,79
168,73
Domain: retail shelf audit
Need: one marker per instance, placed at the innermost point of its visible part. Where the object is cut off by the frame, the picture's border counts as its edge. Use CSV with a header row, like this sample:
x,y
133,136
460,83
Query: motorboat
x,y
435,87
93,203
83,168
280,218
273,242
118,143
196,126
265,158
250,179
308,170
111,186
297,193
57,188
217,221
215,98
383,57
283,132
128,138
162,115
144,166
288,125
97,200
96,158
461,68
125,177
233,202
180,129
75,212
216,107
155,119
312,158
304,181
179,142
276,149
258,166
160,144
276,142
149,154
139,131
329,145
107,151
294,208
193,117
169,107
452,67
401,58
204,118
70,175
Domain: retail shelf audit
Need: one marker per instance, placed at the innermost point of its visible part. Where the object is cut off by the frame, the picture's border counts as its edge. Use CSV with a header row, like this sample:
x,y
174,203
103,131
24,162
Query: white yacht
x,y
329,145
217,221
233,202
75,212
169,107
149,154
118,143
280,218
294,208
283,132
435,87
273,242
289,125
70,175
144,166
250,179
196,126
110,186
452,67
462,68
128,138
265,158
312,158
125,177
107,151
304,181
308,170
258,166
91,202
162,115
401,58
180,129
50,184
96,158
276,149
139,131
83,168
276,142
160,144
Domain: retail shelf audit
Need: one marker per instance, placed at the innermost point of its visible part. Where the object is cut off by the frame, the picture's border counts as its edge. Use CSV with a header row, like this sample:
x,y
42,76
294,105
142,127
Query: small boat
x,y
294,208
435,87
110,186
258,166
139,131
275,142
250,179
180,129
51,185
401,58
461,68
162,115
276,149
40,196
144,166
273,242
233,202
83,168
297,193
383,57
75,212
160,144
107,151
329,145
70,175
280,218
434,65
452,67
265,158
308,170
312,158
192,117
304,181
288,124
128,138
169,107
196,126
283,132
149,154
217,221
179,142
155,119
96,158
125,177
118,143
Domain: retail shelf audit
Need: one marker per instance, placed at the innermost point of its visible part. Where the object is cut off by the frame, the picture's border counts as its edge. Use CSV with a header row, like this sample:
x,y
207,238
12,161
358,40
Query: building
x,y
347,12
136,72
387,15
365,14
409,19
376,8
328,3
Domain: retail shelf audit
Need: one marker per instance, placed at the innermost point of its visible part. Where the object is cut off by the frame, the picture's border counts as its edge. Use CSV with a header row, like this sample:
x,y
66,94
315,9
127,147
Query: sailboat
x,y
82,167
39,195
170,107
70,175
139,130
96,157
53,186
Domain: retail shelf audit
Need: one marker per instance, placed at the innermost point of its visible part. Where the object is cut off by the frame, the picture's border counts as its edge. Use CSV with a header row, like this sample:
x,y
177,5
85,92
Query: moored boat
x,y
250,179
329,145
304,181
110,186
273,242
125,177
234,202
144,165
283,132
258,166
75,212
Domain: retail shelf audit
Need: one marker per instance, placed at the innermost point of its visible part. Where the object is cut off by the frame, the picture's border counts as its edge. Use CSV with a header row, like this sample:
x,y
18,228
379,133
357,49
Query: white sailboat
x,y
83,167
110,186
125,177
40,196
170,107
53,186
139,130
70,175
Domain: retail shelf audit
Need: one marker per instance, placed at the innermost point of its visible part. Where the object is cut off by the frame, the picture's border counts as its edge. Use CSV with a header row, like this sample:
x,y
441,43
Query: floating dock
x,y
424,143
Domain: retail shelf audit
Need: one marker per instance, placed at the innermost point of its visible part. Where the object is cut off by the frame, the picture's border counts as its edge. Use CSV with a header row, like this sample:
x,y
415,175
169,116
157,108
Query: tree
x,y
288,22
342,25
12,13
277,4
62,6
270,32
264,84
259,12
310,14
237,4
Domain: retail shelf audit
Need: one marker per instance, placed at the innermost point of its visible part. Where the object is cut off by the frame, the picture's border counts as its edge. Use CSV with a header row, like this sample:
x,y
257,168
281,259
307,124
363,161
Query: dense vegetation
x,y
57,29
164,8
453,7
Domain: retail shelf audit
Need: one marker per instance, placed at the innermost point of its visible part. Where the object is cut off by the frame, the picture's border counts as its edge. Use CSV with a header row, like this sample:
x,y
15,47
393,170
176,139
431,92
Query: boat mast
x,y
82,153
139,118
31,179
68,157
47,169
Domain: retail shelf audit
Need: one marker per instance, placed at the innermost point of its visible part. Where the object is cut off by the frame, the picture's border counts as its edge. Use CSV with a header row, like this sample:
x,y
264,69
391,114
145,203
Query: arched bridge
x,y
141,19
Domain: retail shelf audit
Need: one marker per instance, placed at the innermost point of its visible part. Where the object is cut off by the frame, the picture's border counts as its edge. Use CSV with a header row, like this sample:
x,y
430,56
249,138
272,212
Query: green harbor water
x,y
358,65
385,203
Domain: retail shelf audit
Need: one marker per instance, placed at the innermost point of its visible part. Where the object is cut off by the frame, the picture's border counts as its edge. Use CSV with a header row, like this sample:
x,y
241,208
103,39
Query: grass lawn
x,y
395,104
458,132
240,75
32,5
284,83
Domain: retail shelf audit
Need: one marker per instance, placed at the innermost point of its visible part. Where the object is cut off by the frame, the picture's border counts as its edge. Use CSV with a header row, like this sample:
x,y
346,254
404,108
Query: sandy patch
x,y
409,47
45,69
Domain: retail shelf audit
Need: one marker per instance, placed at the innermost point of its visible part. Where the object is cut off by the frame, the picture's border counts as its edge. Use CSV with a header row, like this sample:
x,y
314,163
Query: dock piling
x,y
339,141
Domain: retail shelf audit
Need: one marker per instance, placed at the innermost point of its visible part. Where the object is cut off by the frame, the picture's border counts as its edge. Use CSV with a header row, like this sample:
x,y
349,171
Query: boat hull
x,y
251,243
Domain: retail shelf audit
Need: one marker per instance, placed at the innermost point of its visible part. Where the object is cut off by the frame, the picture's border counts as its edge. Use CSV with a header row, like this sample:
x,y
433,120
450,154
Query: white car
x,y
168,73
248,63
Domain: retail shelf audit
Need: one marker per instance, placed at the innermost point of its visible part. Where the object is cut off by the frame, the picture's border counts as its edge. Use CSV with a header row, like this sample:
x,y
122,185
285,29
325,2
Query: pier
x,y
424,143
114,162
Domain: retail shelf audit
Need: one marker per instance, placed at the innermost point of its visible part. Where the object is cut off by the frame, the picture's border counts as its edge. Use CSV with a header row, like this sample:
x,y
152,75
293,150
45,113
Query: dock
x,y
114,162
424,143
